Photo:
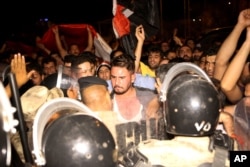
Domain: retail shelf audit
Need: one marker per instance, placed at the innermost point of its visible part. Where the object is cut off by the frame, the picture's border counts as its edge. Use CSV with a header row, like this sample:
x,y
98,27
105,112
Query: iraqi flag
x,y
128,15
77,34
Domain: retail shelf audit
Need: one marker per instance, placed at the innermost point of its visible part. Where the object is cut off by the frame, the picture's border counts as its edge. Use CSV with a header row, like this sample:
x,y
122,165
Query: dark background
x,y
24,16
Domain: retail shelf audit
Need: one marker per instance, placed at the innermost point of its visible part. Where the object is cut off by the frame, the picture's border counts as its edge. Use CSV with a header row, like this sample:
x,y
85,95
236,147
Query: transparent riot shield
x,y
242,123
66,133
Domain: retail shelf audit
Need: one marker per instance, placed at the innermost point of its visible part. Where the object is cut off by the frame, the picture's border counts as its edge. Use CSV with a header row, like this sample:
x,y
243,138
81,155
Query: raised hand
x,y
18,67
244,18
55,29
140,33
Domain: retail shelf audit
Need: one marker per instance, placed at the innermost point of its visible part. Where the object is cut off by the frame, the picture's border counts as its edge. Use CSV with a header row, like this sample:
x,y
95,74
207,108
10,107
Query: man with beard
x,y
186,53
136,108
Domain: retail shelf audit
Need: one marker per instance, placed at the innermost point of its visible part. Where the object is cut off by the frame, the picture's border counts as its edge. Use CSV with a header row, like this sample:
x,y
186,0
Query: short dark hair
x,y
35,66
68,58
154,48
212,50
91,56
82,58
47,60
112,54
124,60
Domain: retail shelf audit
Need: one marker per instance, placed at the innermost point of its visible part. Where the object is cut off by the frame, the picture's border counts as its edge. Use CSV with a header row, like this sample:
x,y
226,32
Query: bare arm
x,y
153,107
227,121
232,74
176,39
63,52
229,109
245,73
90,40
140,35
64,42
42,46
226,117
228,47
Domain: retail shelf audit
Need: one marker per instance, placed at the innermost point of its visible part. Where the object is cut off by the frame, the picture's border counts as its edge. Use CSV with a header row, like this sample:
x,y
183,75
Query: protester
x,y
73,48
132,103
83,65
103,71
49,66
154,55
232,81
18,67
135,112
38,75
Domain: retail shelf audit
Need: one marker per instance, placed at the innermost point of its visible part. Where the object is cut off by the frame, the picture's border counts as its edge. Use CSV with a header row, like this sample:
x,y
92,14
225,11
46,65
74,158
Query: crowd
x,y
124,92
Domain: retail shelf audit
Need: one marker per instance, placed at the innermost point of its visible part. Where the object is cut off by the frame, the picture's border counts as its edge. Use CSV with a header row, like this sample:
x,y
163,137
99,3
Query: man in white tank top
x,y
132,104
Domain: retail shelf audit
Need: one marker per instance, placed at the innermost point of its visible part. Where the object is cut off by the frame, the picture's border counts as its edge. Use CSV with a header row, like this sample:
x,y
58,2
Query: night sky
x,y
22,15
74,10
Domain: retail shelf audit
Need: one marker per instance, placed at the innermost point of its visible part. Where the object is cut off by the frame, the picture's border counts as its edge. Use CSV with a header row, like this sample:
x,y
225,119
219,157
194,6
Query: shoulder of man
x,y
140,91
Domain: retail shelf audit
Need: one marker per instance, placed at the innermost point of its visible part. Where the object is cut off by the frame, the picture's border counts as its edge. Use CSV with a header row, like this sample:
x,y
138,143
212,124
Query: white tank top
x,y
121,119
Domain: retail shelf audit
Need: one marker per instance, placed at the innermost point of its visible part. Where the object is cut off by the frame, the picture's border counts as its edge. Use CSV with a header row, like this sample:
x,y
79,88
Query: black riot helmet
x,y
191,101
75,138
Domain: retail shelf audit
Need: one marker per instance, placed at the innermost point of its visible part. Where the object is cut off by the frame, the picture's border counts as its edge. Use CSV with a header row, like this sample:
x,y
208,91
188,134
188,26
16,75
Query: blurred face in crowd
x,y
209,65
154,59
197,54
202,63
121,79
171,55
164,46
49,68
191,43
185,52
67,69
37,78
85,69
39,60
104,73
58,59
74,49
